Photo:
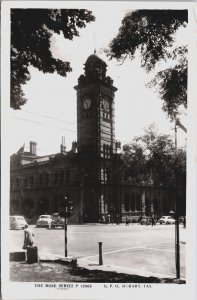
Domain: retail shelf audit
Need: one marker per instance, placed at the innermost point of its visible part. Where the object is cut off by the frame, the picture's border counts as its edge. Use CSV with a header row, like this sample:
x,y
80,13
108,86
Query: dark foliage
x,y
31,30
152,33
172,85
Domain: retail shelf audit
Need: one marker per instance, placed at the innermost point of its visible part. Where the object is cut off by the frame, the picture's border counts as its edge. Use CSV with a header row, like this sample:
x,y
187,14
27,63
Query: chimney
x,y
33,148
62,146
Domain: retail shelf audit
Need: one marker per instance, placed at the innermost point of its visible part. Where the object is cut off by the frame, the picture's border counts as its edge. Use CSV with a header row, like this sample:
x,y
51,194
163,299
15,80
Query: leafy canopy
x,y
153,159
152,33
31,30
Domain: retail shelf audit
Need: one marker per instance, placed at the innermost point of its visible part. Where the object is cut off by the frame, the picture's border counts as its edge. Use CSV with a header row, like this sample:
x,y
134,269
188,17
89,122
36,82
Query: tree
x,y
172,85
31,30
152,157
152,33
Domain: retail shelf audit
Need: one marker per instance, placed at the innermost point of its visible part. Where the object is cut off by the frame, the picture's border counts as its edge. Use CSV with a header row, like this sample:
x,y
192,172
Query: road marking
x,y
160,249
130,270
126,249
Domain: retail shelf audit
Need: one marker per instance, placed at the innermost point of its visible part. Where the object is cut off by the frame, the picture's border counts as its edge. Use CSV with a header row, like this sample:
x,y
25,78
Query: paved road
x,y
136,248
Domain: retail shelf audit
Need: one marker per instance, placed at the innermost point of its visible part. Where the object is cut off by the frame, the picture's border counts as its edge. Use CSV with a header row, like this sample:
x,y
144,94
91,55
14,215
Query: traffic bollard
x,y
100,253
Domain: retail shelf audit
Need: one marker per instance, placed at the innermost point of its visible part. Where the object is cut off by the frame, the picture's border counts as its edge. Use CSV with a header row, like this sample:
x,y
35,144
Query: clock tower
x,y
96,139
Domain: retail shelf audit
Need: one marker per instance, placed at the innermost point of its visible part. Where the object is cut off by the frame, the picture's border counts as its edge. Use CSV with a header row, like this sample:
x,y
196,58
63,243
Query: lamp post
x,y
177,242
65,227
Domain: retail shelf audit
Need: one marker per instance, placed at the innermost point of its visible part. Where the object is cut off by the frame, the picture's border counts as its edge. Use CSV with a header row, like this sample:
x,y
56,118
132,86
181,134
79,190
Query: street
x,y
137,249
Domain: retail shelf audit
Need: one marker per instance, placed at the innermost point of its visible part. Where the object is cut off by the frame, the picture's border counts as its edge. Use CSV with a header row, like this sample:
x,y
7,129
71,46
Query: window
x,y
126,203
133,202
138,202
55,179
41,179
47,178
155,204
67,175
32,180
61,176
11,182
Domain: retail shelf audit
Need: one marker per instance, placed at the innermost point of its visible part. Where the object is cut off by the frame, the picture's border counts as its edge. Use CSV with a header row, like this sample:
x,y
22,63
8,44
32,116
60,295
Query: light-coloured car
x,y
166,220
17,222
57,221
44,221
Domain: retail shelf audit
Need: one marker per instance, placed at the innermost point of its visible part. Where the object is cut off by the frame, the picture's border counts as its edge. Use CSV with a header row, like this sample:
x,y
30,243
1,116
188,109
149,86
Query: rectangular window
x,y
126,203
132,202
138,202
41,179
32,180
47,178
61,176
55,179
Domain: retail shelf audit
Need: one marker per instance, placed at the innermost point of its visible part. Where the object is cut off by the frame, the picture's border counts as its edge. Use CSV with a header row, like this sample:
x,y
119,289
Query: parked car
x,y
57,221
17,222
166,220
44,221
131,219
181,220
145,220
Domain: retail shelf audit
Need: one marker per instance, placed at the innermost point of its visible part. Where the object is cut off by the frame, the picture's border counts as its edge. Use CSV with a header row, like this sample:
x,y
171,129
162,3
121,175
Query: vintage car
x,y
58,221
44,221
17,222
166,220
145,220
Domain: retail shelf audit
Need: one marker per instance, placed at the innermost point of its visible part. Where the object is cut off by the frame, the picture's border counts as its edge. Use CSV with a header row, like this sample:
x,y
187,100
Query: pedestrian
x,y
184,222
127,221
153,221
103,220
108,219
28,237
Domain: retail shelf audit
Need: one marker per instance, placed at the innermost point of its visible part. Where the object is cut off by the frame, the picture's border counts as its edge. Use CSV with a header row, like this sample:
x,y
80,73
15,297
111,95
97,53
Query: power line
x,y
60,120
87,135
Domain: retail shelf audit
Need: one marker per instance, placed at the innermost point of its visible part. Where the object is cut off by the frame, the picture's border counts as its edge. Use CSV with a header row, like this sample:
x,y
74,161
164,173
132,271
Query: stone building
x,y
88,174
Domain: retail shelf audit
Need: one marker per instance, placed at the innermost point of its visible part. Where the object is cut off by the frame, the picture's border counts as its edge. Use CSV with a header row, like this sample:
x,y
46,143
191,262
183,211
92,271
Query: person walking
x,y
127,221
28,237
153,221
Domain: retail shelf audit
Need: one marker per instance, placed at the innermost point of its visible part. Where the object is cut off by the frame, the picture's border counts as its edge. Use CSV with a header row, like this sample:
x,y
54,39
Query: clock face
x,y
106,105
87,103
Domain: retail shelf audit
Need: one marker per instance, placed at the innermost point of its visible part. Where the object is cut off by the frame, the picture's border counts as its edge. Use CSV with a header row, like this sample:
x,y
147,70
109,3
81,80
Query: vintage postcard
x,y
99,143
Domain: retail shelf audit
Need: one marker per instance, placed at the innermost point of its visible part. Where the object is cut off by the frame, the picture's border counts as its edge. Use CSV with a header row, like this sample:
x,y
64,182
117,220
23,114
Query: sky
x,y
50,111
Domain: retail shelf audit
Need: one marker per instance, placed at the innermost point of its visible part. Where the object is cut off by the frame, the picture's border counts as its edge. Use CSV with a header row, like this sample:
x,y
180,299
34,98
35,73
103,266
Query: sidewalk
x,y
65,269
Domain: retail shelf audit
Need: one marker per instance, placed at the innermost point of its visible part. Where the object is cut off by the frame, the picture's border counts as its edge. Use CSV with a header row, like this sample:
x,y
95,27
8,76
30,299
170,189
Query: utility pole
x,y
65,228
177,242
69,212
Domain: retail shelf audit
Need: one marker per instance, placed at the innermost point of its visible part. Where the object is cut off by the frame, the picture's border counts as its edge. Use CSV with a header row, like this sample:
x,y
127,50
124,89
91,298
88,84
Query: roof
x,y
94,58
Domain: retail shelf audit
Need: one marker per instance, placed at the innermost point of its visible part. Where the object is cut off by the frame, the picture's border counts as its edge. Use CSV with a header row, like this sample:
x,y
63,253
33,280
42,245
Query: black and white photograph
x,y
98,153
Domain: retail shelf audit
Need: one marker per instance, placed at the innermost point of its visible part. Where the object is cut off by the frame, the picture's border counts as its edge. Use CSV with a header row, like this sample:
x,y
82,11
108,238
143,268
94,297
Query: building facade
x,y
88,174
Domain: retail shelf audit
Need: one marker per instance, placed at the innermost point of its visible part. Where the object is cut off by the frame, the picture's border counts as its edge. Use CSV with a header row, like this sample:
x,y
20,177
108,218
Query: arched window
x,y
126,203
